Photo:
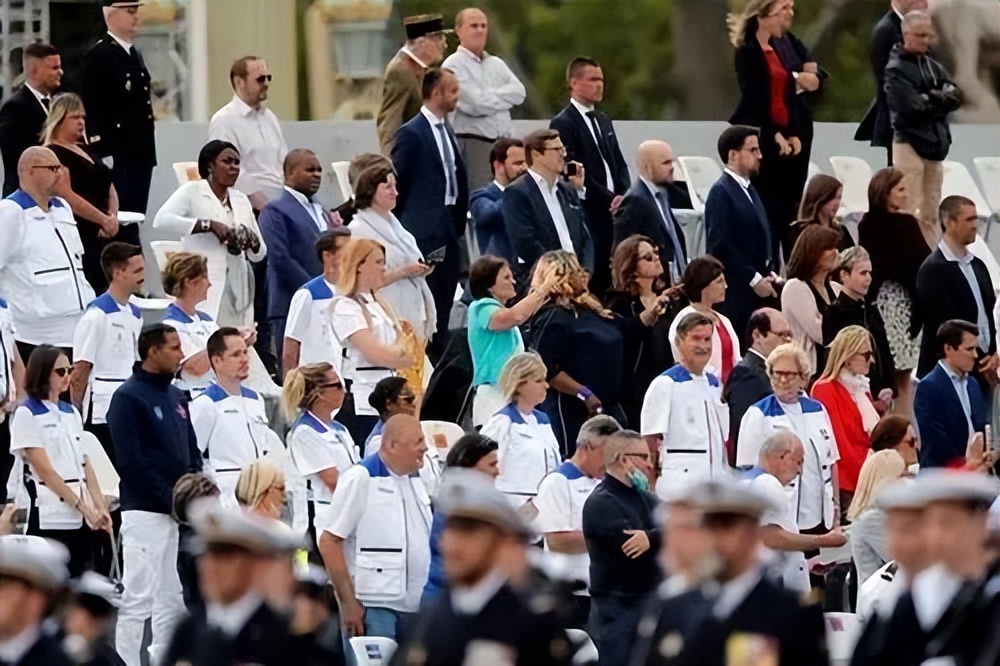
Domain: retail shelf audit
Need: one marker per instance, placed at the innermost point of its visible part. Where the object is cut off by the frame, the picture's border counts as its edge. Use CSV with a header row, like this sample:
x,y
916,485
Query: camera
x,y
240,239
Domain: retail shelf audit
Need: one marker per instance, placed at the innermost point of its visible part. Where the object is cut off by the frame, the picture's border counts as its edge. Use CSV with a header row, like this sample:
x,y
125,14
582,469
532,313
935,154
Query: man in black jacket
x,y
23,113
920,94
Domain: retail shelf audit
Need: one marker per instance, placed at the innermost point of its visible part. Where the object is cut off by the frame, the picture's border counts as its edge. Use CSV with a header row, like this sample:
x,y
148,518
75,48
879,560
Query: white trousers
x,y
152,587
489,400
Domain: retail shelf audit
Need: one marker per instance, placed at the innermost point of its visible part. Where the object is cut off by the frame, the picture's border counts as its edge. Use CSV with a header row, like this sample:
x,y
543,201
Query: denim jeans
x,y
383,622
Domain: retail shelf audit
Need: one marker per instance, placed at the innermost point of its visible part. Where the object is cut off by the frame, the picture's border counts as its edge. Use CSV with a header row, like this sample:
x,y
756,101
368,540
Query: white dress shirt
x,y
550,195
744,184
121,42
40,96
965,265
487,91
314,209
256,133
450,176
584,110
961,385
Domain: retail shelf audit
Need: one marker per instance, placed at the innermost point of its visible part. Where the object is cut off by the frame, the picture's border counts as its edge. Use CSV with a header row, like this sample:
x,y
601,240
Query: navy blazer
x,y
21,120
738,235
639,213
422,186
289,232
747,385
531,230
944,432
486,210
580,146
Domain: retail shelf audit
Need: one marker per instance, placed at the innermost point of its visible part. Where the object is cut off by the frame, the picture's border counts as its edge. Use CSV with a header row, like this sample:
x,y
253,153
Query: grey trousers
x,y
476,153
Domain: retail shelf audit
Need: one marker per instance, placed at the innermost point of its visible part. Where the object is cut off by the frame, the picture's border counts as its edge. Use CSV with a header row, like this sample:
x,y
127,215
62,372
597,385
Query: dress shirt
x,y
256,133
314,209
498,185
487,92
12,650
42,98
232,618
961,385
472,600
551,197
584,110
450,175
965,265
735,591
415,58
663,205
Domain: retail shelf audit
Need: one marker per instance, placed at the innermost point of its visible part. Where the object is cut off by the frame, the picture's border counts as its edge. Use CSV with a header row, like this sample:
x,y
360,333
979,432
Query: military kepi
x,y
423,25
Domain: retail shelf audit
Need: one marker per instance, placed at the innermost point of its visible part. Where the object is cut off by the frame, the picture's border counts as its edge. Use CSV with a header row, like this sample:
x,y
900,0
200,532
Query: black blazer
x,y
794,54
748,383
531,230
116,93
844,312
639,213
754,107
45,652
422,186
943,293
575,133
876,126
21,120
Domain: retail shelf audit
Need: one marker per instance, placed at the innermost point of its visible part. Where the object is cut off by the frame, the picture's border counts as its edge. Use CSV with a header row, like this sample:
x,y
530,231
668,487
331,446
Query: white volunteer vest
x,y
117,330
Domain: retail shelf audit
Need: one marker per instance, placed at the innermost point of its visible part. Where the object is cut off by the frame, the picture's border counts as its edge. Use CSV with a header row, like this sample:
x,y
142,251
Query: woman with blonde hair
x,y
581,343
320,447
261,489
368,330
868,530
528,447
845,391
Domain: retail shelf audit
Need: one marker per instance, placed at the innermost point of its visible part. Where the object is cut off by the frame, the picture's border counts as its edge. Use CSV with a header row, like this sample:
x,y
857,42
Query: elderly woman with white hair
x,y
815,491
528,447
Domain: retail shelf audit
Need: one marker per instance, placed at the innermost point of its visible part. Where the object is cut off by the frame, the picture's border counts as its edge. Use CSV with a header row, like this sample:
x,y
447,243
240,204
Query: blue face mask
x,y
638,480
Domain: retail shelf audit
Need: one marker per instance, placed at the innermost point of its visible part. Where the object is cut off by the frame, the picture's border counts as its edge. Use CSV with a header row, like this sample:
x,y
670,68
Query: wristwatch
x,y
204,225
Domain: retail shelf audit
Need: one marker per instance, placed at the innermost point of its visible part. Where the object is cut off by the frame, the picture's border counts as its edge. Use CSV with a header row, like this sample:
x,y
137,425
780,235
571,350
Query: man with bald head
x,y
38,237
290,225
375,535
646,207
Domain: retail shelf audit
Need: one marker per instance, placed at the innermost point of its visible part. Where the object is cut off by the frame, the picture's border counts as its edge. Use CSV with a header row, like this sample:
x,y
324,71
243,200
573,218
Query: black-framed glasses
x,y
642,456
63,371
649,256
264,77
332,385
54,168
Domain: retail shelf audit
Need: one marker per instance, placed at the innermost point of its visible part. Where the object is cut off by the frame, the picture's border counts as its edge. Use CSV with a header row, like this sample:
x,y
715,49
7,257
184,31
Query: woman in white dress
x,y
405,286
367,329
216,220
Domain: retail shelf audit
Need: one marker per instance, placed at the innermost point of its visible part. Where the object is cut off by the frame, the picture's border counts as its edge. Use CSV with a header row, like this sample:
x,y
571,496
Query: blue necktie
x,y
449,161
679,262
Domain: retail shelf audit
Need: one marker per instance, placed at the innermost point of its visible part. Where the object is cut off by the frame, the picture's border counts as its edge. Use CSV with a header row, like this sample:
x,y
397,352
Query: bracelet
x,y
583,394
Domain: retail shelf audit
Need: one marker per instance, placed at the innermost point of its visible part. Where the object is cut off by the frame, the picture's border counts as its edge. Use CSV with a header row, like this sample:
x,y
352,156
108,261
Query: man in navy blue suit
x,y
433,190
949,406
486,203
737,230
542,210
590,139
290,225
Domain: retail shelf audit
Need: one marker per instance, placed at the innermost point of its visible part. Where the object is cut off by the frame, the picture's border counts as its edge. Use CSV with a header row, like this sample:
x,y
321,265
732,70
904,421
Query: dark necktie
x,y
45,103
765,224
599,137
449,161
679,262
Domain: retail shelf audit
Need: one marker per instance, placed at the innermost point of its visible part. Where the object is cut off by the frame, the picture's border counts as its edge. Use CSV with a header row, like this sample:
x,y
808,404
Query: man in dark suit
x,y
541,211
116,93
949,406
590,139
486,203
752,619
23,113
290,225
954,284
748,382
433,190
737,230
646,208
876,126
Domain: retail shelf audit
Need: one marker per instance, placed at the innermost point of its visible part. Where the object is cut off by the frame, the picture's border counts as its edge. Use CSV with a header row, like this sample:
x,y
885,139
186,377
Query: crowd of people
x,y
657,443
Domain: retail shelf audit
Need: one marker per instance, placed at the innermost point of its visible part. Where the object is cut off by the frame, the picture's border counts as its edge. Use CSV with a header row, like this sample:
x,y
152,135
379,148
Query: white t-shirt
x,y
794,572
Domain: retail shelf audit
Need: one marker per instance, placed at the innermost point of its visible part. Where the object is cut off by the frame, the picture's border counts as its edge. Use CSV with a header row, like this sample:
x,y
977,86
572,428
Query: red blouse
x,y
726,347
779,79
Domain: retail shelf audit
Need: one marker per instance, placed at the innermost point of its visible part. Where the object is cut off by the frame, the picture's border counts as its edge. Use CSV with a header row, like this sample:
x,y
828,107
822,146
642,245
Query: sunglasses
x,y
54,168
868,356
408,398
649,256
332,385
643,456
263,77
63,371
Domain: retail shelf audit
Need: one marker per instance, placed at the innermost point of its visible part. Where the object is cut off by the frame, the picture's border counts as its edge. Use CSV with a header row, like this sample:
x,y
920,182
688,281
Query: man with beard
x,y
486,204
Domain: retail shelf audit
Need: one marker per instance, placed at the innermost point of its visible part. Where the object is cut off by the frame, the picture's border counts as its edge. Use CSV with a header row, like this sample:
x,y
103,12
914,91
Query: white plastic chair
x,y
186,172
373,650
958,180
584,650
162,249
855,174
813,170
340,175
107,475
981,249
700,173
451,431
989,177
842,633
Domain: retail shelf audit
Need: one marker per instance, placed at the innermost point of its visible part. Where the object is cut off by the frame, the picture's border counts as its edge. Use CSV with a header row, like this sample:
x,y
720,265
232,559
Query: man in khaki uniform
x,y
404,75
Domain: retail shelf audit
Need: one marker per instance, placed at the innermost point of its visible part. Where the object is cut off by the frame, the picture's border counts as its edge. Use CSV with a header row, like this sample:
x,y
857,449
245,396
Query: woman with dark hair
x,y
493,330
472,451
405,284
820,204
897,248
390,396
45,435
810,291
637,293
216,220
704,286
896,432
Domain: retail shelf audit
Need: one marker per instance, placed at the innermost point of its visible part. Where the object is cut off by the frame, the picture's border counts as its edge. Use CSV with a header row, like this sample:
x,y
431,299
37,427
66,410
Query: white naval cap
x,y
900,494
40,562
466,493
216,524
950,485
727,495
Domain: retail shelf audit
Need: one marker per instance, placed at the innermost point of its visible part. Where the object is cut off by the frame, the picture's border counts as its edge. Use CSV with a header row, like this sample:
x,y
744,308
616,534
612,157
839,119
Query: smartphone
x,y
435,257
571,169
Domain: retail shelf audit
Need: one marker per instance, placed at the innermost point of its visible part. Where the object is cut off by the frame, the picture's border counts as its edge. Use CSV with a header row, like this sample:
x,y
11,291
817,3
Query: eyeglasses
x,y
264,77
63,371
784,335
755,151
408,398
642,456
868,355
560,149
785,375
332,385
54,168
649,256
911,442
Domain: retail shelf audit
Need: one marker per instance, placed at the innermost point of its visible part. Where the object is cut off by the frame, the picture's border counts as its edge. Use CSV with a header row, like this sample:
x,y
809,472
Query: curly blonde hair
x,y
742,23
571,281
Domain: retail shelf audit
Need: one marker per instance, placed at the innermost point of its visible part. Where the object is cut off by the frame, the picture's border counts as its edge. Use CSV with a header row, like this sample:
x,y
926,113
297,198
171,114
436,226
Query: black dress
x,y
823,306
91,181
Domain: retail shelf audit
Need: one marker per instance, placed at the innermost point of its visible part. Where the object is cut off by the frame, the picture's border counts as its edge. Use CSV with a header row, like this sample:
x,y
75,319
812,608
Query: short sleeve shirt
x,y
490,349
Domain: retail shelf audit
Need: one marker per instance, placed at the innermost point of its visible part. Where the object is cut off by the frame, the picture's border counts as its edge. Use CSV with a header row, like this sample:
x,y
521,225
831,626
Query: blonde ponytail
x,y
302,386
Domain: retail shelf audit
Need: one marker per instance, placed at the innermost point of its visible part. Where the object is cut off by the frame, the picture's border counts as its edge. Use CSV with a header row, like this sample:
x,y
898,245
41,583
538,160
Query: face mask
x,y
638,480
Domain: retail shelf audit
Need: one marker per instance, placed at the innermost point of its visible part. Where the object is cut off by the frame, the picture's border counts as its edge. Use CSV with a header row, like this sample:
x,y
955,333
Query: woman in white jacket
x,y
405,287
217,221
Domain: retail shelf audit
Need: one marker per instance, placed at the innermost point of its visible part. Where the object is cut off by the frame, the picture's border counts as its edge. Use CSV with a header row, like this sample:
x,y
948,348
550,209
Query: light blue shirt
x,y
965,265
960,384
490,349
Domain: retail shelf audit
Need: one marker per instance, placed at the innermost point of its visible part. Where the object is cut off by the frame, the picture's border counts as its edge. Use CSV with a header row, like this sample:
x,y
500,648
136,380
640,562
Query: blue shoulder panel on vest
x,y
175,313
65,407
569,470
105,303
35,406
318,288
375,466
678,373
214,392
810,406
249,393
3,303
